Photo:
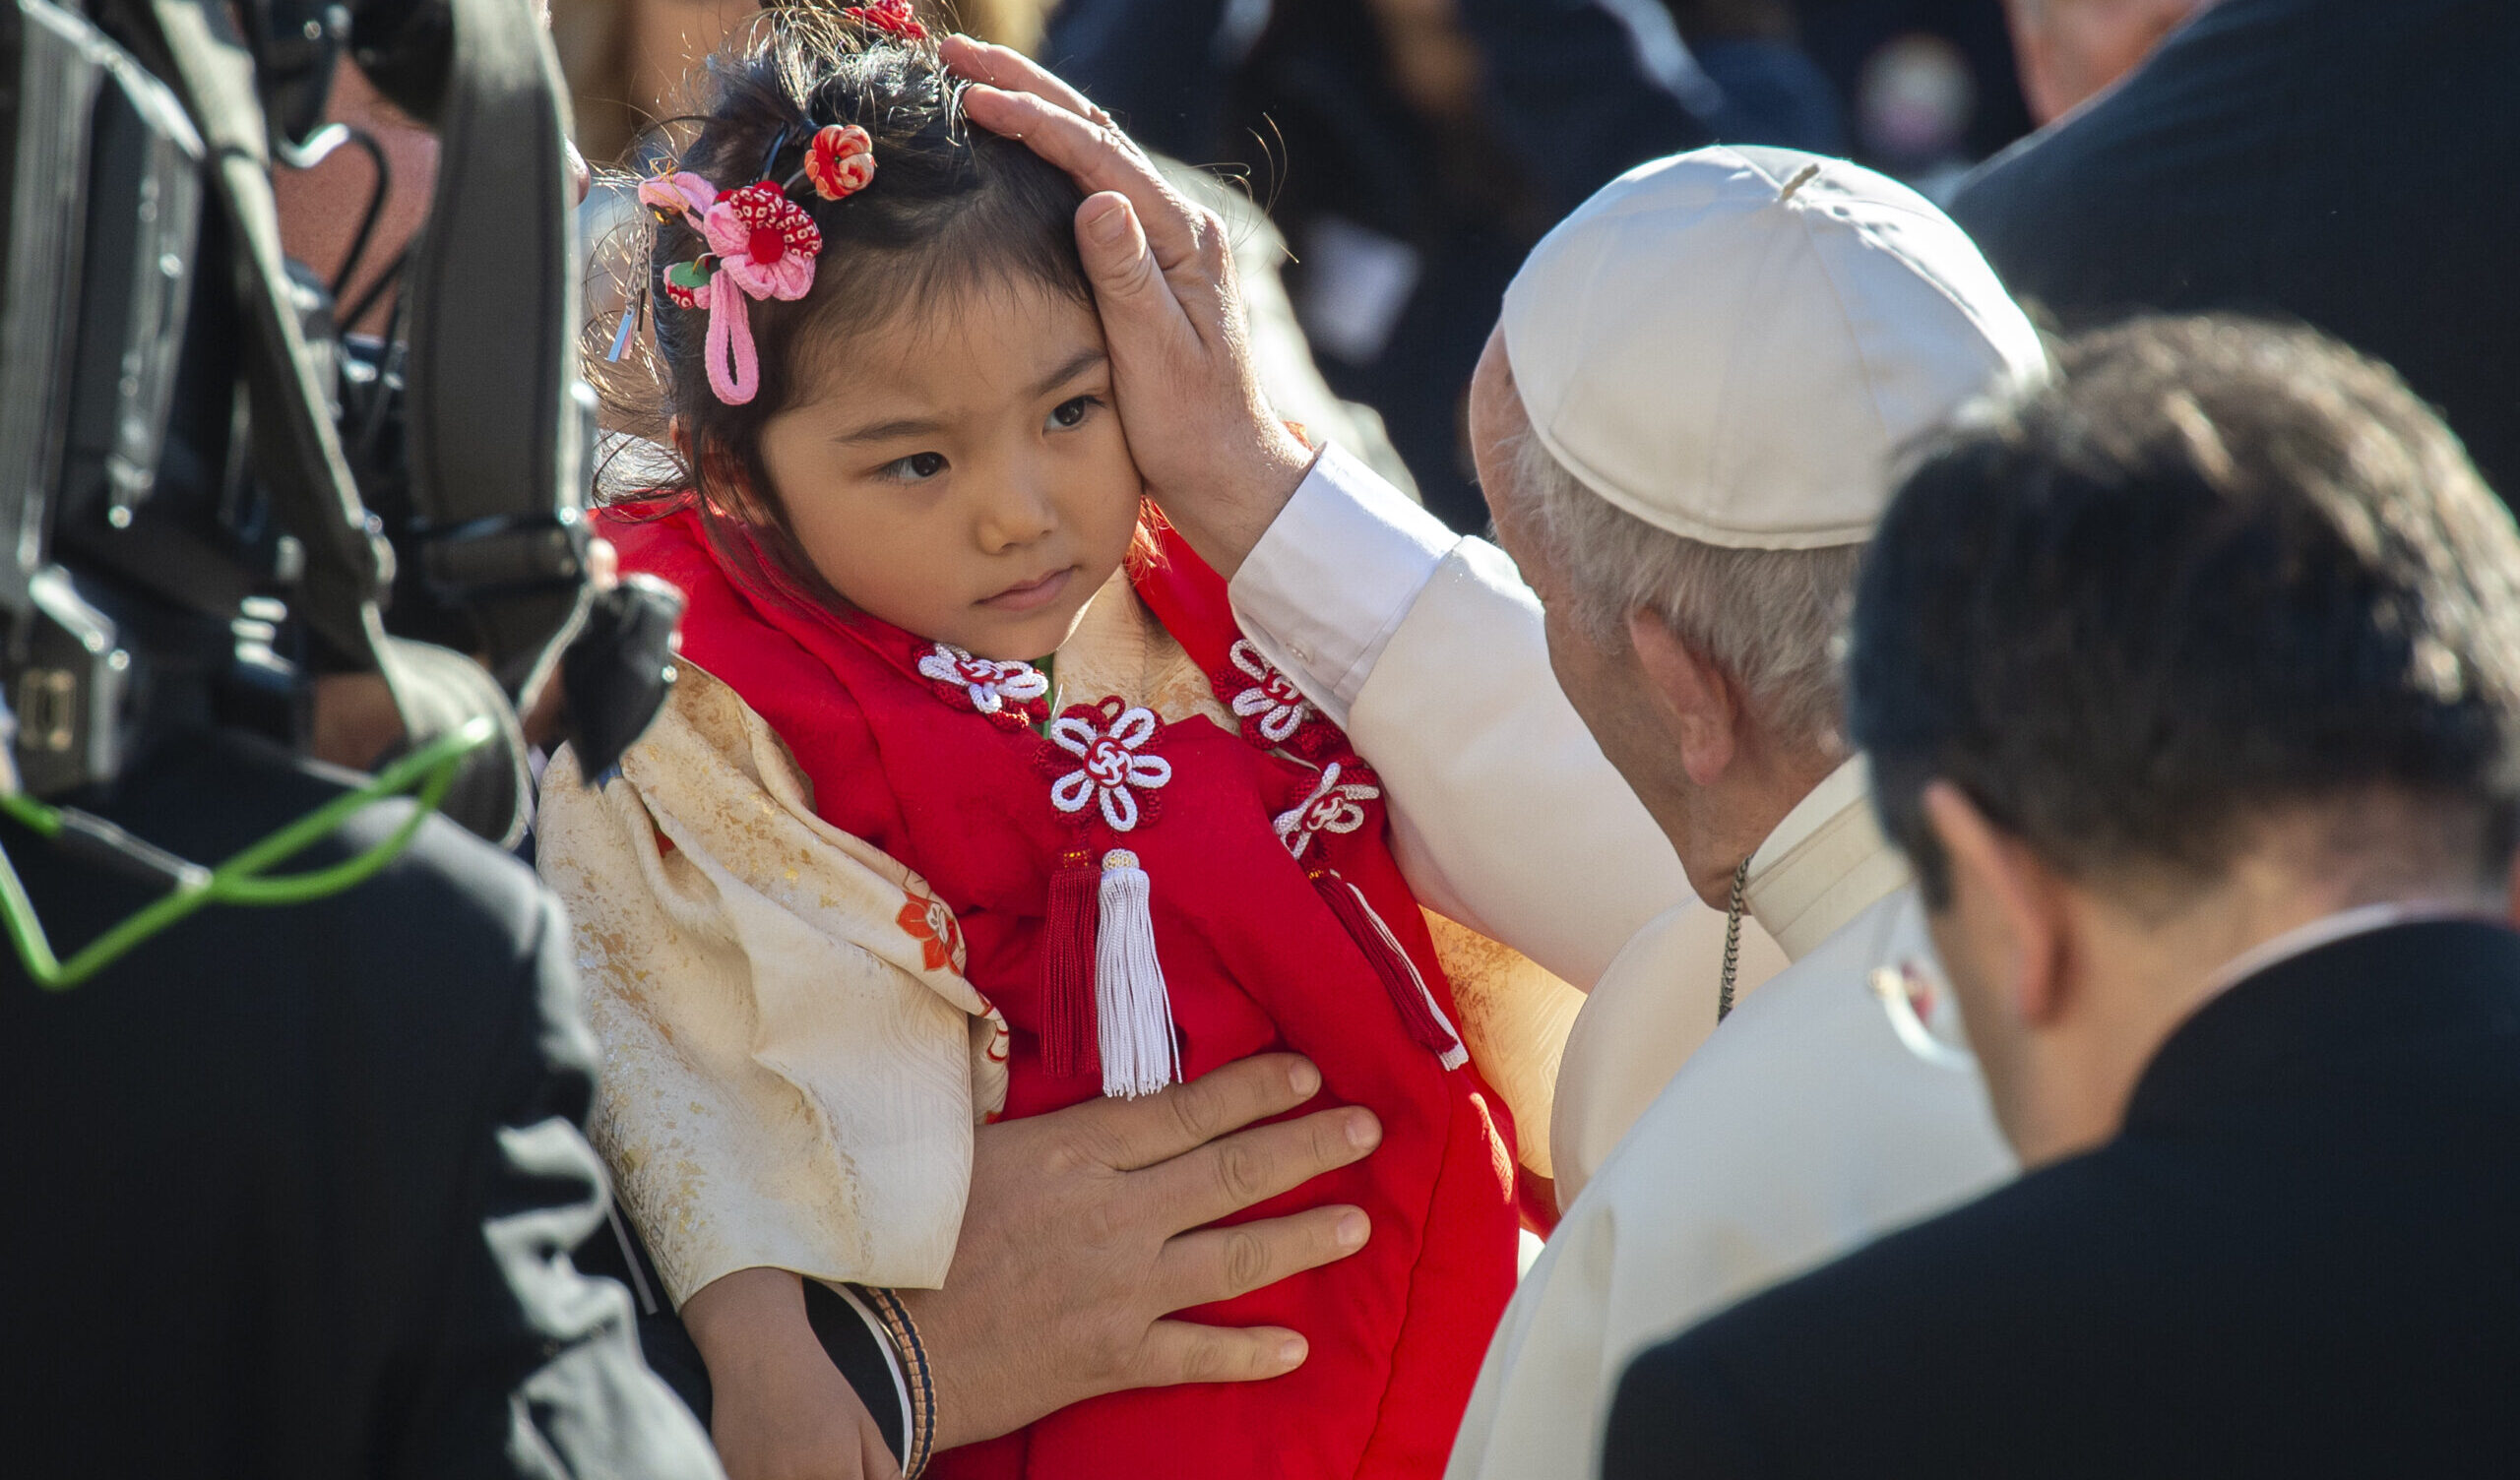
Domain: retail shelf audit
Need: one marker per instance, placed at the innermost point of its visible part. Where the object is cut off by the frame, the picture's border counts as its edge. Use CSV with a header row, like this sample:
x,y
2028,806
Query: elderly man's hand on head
x,y
1213,455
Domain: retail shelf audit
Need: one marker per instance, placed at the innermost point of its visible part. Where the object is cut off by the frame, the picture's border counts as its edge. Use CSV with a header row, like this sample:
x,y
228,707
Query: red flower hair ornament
x,y
841,161
893,16
761,245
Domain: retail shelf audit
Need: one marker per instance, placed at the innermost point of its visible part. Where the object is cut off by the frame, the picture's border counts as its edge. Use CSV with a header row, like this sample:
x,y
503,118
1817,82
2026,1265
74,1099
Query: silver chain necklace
x,y
1732,942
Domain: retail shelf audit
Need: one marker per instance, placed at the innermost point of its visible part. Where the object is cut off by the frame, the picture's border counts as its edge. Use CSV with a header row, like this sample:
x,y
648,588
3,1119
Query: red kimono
x,y
1281,921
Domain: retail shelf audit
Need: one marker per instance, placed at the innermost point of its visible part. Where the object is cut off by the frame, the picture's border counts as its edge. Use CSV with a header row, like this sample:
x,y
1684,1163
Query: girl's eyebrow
x,y
1069,369
886,431
927,426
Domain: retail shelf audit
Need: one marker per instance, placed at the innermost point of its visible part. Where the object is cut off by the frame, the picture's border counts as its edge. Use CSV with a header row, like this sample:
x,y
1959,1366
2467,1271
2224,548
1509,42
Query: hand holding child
x,y
1086,1227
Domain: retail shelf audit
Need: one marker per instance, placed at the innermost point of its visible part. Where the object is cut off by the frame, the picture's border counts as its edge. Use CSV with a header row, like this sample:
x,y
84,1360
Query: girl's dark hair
x,y
950,208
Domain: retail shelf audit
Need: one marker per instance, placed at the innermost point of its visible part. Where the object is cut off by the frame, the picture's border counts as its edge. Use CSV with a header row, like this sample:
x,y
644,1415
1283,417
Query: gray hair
x,y
1769,619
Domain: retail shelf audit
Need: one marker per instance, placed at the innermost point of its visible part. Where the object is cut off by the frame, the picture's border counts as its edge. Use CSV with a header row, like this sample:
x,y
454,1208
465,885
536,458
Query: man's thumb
x,y
1116,256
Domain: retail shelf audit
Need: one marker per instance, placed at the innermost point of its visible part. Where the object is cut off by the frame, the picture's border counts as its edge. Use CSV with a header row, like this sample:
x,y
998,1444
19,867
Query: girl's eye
x,y
1070,413
917,467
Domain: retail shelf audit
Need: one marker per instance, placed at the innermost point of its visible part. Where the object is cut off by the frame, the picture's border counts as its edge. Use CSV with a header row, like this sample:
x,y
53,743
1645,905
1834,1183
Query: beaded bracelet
x,y
915,1375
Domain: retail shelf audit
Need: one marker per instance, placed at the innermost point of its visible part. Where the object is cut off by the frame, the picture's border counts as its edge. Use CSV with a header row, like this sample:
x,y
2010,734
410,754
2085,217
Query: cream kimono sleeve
x,y
792,1063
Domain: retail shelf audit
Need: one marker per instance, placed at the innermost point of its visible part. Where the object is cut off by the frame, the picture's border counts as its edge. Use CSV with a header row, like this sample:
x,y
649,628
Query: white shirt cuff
x,y
1334,576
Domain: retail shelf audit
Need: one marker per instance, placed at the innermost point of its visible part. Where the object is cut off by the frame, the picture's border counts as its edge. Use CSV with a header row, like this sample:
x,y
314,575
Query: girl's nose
x,y
1018,511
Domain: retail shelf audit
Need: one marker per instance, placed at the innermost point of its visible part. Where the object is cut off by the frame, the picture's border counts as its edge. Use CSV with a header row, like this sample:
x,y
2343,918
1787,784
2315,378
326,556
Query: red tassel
x,y
1409,991
1068,1044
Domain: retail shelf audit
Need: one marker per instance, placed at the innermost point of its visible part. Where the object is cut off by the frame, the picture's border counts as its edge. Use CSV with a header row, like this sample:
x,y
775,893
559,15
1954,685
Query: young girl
x,y
972,801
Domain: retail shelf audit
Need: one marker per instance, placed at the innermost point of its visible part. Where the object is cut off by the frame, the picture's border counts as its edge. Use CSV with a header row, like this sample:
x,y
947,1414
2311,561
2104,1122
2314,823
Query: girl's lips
x,y
1032,595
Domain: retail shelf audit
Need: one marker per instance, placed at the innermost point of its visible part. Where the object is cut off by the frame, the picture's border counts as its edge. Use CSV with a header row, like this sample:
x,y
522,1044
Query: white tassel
x,y
1133,1011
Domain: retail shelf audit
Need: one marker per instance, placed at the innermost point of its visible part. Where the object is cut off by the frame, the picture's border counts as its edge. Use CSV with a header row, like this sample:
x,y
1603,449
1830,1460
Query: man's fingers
x,y
1186,1117
1177,1351
1098,158
1006,68
1127,282
1219,1263
1099,154
1228,1175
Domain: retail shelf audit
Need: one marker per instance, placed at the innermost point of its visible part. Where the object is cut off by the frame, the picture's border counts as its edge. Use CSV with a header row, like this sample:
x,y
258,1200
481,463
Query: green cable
x,y
240,880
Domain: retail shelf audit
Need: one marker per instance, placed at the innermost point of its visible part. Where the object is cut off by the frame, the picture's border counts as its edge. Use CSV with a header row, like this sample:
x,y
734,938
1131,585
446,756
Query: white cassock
x,y
1817,1120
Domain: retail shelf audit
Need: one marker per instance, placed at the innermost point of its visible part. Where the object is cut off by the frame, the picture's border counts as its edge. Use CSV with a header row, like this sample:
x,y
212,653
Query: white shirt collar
x,y
2327,930
1825,863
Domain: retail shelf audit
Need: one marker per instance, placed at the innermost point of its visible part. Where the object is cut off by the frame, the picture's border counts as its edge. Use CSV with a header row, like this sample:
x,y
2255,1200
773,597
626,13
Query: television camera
x,y
212,497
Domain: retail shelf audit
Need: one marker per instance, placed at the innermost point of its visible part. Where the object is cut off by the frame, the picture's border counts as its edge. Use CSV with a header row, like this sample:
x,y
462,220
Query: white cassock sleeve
x,y
1427,647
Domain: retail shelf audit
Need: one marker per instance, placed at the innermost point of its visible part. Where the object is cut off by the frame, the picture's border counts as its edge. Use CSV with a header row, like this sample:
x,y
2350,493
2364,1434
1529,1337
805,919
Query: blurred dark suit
x,y
2297,1258
2344,162
1312,103
290,1192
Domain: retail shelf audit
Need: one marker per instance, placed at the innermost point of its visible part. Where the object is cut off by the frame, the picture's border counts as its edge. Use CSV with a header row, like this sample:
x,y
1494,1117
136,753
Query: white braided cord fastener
x,y
1335,807
1275,705
990,685
1113,771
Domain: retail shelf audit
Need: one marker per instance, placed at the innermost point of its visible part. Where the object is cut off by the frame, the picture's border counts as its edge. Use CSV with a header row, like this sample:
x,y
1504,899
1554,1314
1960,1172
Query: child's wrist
x,y
911,1370
763,1330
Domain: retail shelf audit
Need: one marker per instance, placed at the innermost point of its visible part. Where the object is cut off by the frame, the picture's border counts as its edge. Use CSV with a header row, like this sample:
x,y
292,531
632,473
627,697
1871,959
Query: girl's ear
x,y
718,477
708,482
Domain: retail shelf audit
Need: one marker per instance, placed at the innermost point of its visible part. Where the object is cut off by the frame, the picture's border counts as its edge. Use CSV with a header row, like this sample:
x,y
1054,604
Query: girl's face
x,y
962,475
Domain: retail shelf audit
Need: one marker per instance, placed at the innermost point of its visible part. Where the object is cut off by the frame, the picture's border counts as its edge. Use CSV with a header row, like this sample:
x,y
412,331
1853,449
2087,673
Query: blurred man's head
x,y
2068,51
2215,638
1686,424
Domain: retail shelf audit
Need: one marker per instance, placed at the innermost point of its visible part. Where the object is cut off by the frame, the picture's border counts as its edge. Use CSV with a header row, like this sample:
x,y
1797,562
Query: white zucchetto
x,y
1736,343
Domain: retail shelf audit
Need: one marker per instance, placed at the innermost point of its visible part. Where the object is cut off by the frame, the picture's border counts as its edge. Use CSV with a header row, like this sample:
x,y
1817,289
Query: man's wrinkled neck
x,y
1822,864
1715,828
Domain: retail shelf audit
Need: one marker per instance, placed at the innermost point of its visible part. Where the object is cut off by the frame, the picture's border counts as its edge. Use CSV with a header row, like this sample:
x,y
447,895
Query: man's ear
x,y
1697,700
2009,905
2035,58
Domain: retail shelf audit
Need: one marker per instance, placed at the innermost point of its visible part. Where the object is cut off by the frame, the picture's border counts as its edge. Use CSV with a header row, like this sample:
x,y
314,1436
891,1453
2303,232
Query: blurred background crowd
x,y
1408,153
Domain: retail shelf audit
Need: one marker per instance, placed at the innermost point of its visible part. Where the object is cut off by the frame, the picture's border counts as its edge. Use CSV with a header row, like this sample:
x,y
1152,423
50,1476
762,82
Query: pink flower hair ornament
x,y
761,245
670,193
